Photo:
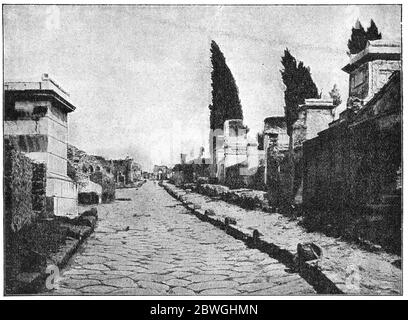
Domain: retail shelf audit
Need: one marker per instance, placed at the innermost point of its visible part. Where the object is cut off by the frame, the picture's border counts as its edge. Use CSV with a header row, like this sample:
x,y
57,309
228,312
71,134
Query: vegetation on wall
x,y
17,189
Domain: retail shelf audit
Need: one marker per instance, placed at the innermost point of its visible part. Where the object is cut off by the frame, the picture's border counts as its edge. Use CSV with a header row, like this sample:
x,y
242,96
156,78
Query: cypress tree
x,y
372,32
299,86
359,36
225,96
358,39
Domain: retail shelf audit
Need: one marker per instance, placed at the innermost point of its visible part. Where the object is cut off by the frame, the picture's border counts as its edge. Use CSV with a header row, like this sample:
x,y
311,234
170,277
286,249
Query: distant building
x,y
36,122
126,171
160,172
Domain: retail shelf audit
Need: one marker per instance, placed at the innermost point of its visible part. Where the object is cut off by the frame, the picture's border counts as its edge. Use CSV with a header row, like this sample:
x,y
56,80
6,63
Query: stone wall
x,y
90,193
351,171
88,170
188,173
356,161
107,183
87,164
277,126
279,177
246,198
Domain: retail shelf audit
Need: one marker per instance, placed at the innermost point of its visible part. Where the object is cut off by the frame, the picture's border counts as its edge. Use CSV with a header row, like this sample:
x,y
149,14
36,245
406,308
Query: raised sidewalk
x,y
343,269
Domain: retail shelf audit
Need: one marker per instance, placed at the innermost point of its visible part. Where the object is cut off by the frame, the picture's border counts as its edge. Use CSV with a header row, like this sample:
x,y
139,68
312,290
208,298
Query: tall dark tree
x,y
358,39
372,32
359,36
299,86
225,97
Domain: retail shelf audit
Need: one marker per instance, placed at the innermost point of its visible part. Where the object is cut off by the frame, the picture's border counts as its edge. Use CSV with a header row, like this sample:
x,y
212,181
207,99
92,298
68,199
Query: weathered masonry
x,y
235,157
314,116
36,123
356,162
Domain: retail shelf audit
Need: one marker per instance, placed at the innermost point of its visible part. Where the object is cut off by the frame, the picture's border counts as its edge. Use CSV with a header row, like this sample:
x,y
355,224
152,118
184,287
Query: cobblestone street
x,y
146,243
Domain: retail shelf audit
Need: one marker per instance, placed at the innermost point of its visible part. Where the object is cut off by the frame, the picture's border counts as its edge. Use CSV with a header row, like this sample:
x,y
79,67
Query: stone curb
x,y
316,277
33,282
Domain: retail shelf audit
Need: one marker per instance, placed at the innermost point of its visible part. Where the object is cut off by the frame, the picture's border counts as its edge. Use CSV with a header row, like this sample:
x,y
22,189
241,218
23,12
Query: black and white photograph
x,y
202,150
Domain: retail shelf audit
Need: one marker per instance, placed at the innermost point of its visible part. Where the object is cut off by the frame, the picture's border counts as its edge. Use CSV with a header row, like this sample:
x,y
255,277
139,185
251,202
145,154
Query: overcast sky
x,y
140,75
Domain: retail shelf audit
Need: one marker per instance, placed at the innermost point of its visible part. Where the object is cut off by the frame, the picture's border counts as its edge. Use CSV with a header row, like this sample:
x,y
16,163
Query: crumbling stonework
x,y
353,167
314,116
87,164
94,174
126,171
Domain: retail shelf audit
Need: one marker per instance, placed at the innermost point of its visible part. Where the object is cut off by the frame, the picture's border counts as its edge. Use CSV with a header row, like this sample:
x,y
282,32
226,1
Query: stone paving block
x,y
220,292
212,285
204,278
181,291
119,282
77,283
251,287
136,292
165,250
97,290
177,283
153,285
96,266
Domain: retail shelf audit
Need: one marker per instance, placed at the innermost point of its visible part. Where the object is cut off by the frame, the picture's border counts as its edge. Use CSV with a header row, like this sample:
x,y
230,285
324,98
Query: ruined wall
x,y
87,164
107,184
276,125
351,173
279,177
89,170
356,160
351,167
123,171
